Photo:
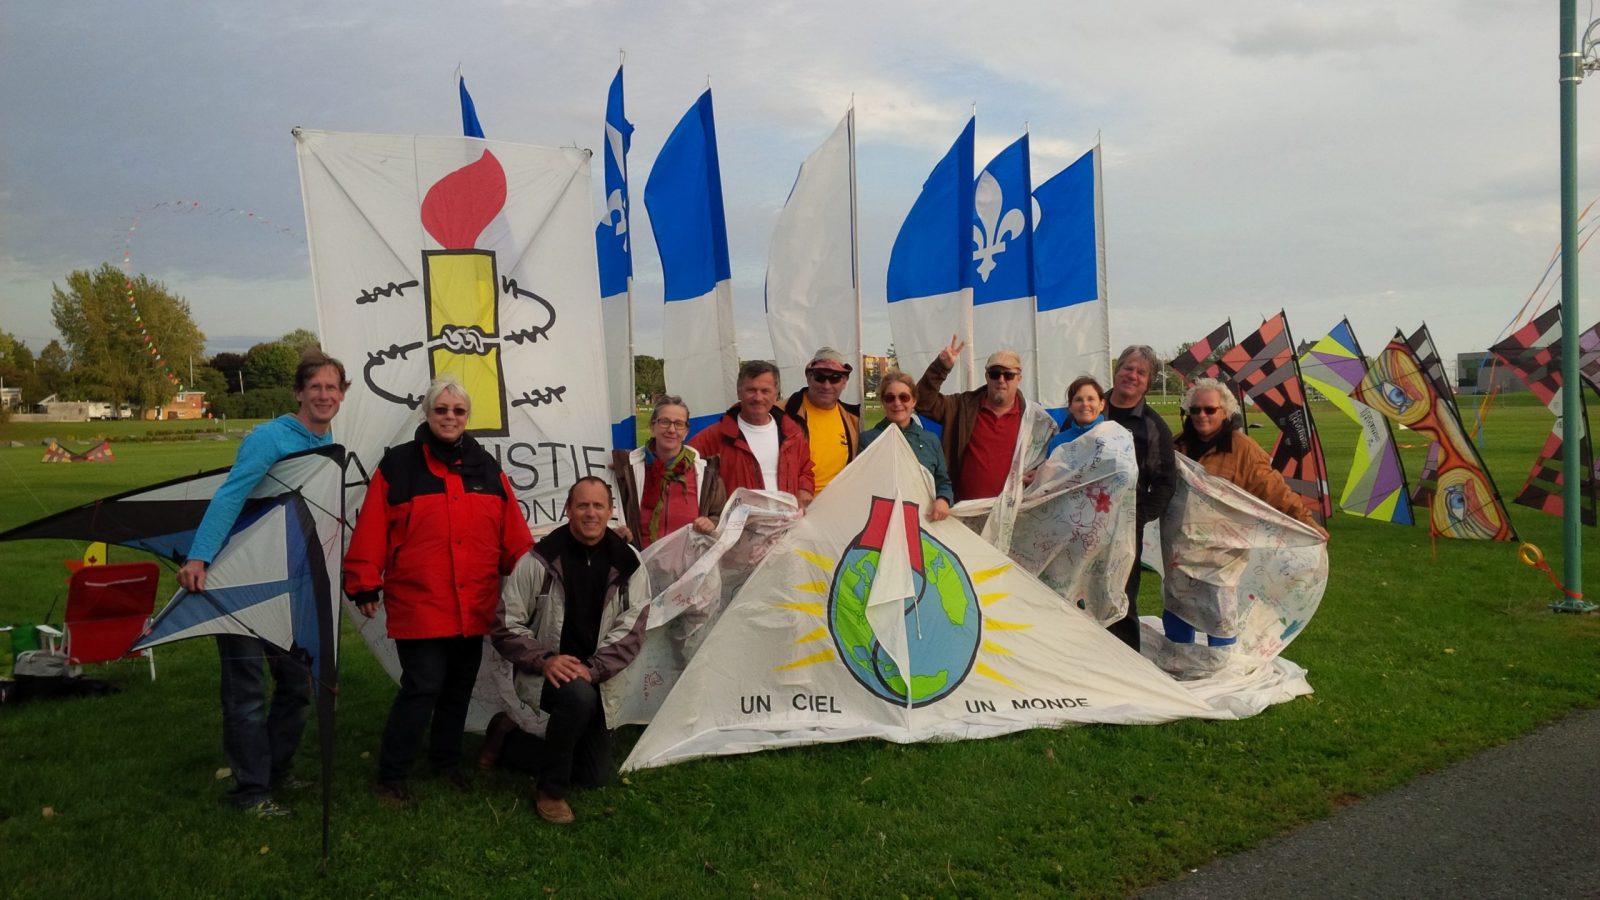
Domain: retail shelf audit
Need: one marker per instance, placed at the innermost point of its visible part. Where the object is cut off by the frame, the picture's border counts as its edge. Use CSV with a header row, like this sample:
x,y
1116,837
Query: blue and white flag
x,y
1002,261
684,198
931,271
616,271
813,293
469,113
1069,253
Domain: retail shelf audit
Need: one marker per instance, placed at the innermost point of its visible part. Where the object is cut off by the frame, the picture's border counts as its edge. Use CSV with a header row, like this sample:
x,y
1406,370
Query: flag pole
x,y
855,258
1572,67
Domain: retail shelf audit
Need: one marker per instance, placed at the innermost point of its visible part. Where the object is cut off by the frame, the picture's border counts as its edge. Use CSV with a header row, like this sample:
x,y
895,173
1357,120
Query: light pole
x,y
1576,58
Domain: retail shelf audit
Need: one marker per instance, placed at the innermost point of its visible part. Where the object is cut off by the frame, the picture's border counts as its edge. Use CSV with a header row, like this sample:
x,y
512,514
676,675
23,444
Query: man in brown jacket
x,y
980,425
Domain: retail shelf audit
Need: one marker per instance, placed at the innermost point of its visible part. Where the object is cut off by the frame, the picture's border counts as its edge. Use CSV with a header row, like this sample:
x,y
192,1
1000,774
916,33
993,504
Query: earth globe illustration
x,y
943,624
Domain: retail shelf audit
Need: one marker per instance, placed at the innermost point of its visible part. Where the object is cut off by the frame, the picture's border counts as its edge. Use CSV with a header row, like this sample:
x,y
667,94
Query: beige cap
x,y
1006,359
831,359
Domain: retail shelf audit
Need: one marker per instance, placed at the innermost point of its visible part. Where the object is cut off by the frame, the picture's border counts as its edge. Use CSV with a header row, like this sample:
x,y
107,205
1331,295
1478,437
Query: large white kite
x,y
869,620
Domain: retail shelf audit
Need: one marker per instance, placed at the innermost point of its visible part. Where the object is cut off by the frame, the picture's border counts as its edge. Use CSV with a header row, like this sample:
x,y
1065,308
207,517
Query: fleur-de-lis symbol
x,y
614,204
992,229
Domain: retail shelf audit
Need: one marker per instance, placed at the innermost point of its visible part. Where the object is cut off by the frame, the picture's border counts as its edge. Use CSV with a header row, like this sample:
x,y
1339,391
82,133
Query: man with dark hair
x,y
758,445
572,615
832,427
259,743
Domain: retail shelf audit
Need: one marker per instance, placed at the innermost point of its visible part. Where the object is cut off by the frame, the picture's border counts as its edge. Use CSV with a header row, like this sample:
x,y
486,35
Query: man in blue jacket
x,y
260,743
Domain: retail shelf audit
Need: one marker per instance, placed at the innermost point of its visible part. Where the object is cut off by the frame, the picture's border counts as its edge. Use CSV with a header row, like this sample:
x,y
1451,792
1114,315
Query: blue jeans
x,y
436,679
1181,632
260,742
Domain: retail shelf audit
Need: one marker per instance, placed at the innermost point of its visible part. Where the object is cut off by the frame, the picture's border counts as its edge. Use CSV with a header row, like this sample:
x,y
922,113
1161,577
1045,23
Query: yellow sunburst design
x,y
986,599
821,562
986,574
985,671
813,609
991,647
997,625
813,659
813,587
817,635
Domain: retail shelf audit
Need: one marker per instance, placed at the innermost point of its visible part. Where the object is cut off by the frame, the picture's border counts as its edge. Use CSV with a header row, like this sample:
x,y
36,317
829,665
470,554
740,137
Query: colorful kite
x,y
1376,487
55,453
1533,352
1421,345
1201,361
1465,503
1263,366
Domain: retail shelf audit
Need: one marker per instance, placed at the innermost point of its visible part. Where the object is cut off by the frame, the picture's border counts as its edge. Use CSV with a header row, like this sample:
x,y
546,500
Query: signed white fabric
x,y
694,576
1235,567
796,657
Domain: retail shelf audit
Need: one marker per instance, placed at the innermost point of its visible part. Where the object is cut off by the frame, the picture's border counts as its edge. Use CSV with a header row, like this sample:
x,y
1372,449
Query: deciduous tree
x,y
105,333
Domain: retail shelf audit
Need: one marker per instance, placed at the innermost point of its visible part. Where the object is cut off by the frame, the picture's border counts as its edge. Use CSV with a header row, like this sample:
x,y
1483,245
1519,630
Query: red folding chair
x,y
107,609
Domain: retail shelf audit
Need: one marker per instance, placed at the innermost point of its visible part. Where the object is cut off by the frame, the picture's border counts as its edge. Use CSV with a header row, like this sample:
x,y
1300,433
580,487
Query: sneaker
x,y
395,795
494,740
269,809
553,809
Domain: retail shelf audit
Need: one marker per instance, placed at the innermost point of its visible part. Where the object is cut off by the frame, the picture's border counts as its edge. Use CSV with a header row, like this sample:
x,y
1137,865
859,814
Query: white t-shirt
x,y
763,440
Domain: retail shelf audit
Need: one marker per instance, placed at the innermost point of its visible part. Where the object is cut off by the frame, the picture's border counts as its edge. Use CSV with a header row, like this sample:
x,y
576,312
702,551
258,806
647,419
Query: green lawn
x,y
1420,655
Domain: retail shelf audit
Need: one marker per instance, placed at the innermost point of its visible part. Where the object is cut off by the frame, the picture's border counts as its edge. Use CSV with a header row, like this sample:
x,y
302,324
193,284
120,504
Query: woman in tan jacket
x,y
1210,438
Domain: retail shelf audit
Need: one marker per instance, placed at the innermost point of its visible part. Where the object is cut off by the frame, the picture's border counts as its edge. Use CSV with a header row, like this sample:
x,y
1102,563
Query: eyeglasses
x,y
826,377
999,374
1208,410
897,398
447,410
675,424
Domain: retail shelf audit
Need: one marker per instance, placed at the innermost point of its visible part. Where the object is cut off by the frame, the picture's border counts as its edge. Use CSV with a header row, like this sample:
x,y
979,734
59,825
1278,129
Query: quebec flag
x,y
684,197
1002,262
931,271
616,271
1070,281
470,127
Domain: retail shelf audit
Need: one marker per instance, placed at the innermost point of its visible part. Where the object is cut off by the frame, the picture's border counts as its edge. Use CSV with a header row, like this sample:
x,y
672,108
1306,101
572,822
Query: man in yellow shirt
x,y
833,428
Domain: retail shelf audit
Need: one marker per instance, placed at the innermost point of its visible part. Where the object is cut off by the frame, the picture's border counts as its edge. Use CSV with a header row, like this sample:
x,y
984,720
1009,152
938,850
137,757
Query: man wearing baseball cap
x,y
980,425
833,428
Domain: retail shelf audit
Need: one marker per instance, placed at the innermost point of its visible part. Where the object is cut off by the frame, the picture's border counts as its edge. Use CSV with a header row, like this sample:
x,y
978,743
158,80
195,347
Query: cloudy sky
x,y
1392,163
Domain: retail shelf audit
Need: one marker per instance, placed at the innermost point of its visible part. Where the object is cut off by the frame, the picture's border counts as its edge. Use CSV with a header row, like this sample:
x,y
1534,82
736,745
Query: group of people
x,y
442,547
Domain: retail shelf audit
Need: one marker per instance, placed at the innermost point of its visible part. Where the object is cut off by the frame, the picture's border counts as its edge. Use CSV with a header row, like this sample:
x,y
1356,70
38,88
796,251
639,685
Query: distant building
x,y
1480,373
11,399
187,405
872,370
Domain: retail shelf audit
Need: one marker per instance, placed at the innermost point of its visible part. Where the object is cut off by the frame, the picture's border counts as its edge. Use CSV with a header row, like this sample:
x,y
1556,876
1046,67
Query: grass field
x,y
1420,655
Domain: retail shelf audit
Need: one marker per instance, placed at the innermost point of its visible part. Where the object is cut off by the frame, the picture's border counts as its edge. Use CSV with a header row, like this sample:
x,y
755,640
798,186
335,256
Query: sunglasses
x,y
999,374
1208,410
676,424
826,377
447,410
897,398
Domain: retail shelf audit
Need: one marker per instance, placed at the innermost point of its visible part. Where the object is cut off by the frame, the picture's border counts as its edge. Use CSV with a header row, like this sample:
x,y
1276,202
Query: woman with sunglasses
x,y
667,484
898,392
1210,438
439,527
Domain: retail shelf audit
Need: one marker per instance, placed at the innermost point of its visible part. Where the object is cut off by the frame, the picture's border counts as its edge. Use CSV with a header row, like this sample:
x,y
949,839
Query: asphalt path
x,y
1519,821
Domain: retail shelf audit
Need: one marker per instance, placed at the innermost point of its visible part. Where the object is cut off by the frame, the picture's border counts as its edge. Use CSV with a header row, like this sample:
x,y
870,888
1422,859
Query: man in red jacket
x,y
759,446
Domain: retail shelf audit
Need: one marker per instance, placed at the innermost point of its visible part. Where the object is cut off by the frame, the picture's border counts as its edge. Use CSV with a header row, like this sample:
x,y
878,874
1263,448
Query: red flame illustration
x,y
877,530
460,205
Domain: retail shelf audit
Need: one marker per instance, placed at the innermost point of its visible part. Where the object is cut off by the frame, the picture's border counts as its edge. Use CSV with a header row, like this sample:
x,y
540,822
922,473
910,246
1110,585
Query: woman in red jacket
x,y
439,527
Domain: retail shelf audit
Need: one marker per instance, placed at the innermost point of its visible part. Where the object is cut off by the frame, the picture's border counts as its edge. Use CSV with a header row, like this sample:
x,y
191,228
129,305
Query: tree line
x,y
102,355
